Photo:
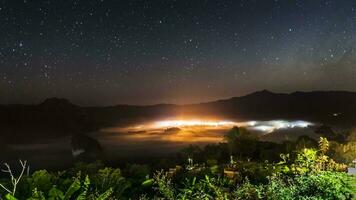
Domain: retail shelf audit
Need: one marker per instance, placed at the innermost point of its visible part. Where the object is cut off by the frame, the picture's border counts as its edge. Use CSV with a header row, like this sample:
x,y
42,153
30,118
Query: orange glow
x,y
192,123
197,130
177,130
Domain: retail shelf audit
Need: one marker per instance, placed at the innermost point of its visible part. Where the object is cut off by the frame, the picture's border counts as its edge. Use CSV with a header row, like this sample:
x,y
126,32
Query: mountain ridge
x,y
259,92
57,117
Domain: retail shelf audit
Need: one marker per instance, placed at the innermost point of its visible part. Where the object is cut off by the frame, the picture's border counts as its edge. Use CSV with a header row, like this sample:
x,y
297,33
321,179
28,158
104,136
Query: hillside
x,y
57,117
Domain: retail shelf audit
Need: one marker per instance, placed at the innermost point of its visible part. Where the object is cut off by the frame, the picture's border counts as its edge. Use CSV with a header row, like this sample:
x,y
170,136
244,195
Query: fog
x,y
150,139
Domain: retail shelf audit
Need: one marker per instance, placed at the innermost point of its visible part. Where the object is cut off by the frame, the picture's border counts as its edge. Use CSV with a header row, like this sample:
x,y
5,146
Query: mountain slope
x,y
57,117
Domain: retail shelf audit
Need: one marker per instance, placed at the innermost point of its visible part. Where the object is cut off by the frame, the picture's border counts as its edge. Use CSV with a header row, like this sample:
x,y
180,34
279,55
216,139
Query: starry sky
x,y
107,52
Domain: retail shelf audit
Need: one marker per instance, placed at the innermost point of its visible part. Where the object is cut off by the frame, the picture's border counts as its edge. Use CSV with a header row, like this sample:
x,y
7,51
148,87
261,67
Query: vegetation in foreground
x,y
303,173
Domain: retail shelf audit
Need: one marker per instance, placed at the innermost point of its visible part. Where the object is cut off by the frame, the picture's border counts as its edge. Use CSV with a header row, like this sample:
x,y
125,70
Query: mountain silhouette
x,y
57,104
57,117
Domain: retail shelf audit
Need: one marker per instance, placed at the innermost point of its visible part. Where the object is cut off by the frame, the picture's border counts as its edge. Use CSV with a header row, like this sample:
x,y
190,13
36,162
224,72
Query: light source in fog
x,y
188,123
200,125
270,126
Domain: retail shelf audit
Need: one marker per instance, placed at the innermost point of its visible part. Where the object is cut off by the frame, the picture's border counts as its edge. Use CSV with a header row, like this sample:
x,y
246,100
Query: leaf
x,y
55,194
10,197
194,180
83,195
72,189
147,182
105,195
37,195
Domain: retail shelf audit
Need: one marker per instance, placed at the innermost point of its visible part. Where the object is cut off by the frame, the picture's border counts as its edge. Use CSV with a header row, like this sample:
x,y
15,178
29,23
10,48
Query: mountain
x,y
332,107
57,117
57,104
317,105
52,118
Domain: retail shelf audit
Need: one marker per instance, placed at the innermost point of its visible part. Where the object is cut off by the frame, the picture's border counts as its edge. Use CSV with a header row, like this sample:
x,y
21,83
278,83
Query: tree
x,y
323,145
305,141
241,142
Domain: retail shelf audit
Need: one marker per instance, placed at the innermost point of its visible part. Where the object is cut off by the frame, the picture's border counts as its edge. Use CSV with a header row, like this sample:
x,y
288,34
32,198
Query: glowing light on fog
x,y
197,125
251,123
188,123
262,126
270,126
199,130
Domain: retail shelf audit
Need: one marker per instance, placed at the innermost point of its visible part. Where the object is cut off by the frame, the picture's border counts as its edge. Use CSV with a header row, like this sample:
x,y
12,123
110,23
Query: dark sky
x,y
104,52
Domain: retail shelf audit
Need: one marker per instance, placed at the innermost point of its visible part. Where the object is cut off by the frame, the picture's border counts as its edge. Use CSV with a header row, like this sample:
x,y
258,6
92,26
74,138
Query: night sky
x,y
106,52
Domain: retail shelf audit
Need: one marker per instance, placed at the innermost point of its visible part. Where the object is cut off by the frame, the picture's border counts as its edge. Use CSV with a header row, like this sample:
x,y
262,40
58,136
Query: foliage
x,y
306,173
41,180
314,161
248,191
77,190
305,141
205,188
280,187
108,178
164,185
323,145
344,152
241,142
324,185
310,174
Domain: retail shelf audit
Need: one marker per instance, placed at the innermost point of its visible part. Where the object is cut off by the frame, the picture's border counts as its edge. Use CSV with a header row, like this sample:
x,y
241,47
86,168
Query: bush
x,y
324,185
110,178
305,175
279,187
247,191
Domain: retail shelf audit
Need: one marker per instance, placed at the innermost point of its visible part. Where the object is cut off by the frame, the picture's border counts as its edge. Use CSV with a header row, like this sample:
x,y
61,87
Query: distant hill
x,y
328,106
52,118
57,117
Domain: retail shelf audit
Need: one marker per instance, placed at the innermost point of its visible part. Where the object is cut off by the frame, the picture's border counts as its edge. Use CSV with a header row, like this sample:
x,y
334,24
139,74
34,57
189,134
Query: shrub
x,y
110,178
324,185
247,191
